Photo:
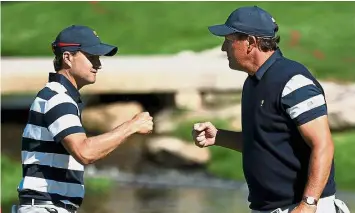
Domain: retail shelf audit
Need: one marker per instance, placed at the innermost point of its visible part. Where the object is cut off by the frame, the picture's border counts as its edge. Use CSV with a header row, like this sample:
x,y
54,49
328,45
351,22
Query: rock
x,y
233,111
164,122
128,157
173,152
341,105
104,118
167,121
212,99
190,100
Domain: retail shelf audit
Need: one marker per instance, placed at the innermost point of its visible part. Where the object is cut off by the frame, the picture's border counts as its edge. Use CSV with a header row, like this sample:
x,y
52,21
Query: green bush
x,y
11,174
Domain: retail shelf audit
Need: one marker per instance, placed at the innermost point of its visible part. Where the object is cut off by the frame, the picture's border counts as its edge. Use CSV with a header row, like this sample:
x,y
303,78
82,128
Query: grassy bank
x,y
11,173
228,163
311,32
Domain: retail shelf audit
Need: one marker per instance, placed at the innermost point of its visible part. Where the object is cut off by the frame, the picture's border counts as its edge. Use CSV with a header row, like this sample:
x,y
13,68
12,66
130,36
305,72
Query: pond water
x,y
145,199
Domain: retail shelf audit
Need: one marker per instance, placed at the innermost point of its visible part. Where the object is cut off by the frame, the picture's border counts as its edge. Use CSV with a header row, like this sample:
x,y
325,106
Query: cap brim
x,y
221,30
101,49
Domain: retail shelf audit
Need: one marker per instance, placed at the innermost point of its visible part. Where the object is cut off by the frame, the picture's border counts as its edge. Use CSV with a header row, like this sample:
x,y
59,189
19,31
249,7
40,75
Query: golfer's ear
x,y
67,59
251,41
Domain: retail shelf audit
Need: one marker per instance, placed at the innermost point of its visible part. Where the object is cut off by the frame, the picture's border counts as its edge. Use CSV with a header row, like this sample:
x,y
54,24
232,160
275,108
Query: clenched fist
x,y
204,134
143,123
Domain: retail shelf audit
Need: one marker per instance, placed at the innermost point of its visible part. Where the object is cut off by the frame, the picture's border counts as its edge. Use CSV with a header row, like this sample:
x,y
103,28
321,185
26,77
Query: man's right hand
x,y
204,134
143,123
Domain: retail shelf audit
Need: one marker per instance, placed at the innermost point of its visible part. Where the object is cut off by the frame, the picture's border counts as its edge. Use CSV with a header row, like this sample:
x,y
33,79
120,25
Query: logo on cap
x,y
95,33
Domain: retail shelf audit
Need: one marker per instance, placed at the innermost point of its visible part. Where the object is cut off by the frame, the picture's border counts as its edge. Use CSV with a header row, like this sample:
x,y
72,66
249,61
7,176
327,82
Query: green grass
x,y
226,163
98,185
344,161
324,29
11,174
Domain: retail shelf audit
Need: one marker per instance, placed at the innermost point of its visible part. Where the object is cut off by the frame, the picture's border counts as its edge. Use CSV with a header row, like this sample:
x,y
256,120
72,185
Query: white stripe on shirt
x,y
51,186
37,133
59,99
295,83
57,87
51,159
39,105
64,122
305,106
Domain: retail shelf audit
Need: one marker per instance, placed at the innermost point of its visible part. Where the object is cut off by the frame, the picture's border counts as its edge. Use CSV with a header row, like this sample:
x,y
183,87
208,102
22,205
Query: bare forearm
x,y
99,146
319,170
229,139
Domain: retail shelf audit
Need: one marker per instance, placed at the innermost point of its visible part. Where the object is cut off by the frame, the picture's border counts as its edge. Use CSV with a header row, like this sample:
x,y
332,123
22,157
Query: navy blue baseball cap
x,y
248,20
76,37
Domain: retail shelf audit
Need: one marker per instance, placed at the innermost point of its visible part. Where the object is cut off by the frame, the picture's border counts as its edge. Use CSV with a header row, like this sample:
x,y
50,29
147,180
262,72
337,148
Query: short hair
x,y
269,43
265,44
58,60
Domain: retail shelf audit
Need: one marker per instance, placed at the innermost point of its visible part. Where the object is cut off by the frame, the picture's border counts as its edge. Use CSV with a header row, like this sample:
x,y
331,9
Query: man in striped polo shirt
x,y
55,148
285,142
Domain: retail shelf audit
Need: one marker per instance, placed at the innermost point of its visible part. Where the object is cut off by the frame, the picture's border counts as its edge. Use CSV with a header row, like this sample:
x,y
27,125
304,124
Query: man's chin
x,y
90,81
233,66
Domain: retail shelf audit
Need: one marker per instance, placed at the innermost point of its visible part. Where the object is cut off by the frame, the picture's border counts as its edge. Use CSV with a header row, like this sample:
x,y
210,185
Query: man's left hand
x,y
304,208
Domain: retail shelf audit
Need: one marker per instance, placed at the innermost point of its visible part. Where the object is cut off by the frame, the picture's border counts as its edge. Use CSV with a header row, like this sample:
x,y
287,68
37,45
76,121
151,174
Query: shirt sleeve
x,y
303,100
62,117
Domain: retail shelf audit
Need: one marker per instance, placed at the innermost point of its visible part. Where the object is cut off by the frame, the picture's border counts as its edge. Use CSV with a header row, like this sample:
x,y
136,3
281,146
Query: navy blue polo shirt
x,y
282,95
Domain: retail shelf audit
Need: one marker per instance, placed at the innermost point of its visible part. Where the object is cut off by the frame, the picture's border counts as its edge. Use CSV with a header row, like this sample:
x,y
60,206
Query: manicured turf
x,y
318,34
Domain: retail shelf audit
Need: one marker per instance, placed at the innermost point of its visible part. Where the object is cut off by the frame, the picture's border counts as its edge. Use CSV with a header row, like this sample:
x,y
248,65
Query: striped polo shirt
x,y
280,97
49,171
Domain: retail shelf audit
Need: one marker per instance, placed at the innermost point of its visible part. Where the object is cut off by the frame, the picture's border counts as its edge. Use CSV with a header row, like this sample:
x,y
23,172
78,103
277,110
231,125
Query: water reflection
x,y
130,199
134,199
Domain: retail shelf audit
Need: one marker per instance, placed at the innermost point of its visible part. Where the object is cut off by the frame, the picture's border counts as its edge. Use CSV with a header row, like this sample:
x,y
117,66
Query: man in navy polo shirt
x,y
286,141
